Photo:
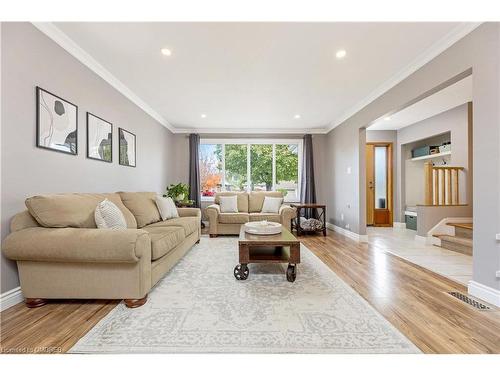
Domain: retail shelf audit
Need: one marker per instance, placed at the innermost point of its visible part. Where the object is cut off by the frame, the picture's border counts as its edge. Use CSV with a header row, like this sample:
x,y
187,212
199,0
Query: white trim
x,y
484,292
354,236
58,36
421,239
399,225
254,130
10,298
437,48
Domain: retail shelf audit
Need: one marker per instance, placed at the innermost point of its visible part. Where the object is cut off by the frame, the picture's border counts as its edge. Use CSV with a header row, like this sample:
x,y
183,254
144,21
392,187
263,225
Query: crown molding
x,y
436,49
250,131
58,36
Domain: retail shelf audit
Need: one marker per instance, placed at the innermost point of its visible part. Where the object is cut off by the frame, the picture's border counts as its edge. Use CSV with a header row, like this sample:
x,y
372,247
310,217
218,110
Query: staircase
x,y
461,242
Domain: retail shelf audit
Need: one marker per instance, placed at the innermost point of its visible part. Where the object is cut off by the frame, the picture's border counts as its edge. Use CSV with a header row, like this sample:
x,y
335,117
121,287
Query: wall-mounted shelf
x,y
432,156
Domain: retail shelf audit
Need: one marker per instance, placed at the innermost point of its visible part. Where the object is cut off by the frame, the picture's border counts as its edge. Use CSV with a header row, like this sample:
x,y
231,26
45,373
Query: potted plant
x,y
178,192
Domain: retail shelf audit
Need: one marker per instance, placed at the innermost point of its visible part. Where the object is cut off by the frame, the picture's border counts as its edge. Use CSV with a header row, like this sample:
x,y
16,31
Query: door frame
x,y
389,182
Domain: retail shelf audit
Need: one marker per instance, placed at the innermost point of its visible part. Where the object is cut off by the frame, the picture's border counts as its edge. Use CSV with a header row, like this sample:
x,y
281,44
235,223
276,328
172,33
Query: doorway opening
x,y
379,194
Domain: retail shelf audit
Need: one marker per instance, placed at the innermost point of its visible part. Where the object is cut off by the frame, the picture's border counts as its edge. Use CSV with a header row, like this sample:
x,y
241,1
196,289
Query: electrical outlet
x,y
498,236
497,274
342,217
348,170
347,226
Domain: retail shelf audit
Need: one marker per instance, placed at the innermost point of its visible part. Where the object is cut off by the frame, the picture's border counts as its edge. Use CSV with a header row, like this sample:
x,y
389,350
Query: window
x,y
250,165
210,169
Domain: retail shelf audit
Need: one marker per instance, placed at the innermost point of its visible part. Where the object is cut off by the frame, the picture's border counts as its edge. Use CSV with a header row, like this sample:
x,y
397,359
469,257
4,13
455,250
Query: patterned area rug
x,y
199,307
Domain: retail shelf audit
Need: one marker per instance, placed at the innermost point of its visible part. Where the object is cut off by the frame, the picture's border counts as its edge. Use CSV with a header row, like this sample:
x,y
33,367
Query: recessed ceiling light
x,y
203,115
388,118
296,116
341,53
166,52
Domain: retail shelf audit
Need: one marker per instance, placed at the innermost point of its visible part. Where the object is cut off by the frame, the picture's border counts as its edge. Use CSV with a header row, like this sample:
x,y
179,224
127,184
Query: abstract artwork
x,y
99,138
56,123
127,147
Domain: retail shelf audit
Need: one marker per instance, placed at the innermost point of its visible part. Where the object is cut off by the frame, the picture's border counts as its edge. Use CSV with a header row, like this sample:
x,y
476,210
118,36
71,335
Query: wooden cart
x,y
276,248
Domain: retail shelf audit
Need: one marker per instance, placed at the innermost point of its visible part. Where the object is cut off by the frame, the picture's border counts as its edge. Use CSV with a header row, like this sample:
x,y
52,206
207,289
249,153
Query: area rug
x,y
199,307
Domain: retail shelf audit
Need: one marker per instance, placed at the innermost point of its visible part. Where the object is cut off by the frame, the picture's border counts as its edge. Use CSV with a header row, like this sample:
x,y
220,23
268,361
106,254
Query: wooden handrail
x,y
441,185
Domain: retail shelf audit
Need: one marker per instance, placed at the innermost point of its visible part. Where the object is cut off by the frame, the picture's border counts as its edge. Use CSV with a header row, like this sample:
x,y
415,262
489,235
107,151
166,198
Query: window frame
x,y
256,141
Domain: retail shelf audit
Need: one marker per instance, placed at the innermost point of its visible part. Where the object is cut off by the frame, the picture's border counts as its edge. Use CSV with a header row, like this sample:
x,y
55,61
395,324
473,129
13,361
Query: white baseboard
x,y
398,224
355,236
484,292
10,298
421,239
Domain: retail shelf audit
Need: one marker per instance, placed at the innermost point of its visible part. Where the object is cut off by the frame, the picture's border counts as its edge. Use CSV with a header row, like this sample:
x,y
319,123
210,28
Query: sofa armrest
x,y
189,211
78,245
214,207
287,213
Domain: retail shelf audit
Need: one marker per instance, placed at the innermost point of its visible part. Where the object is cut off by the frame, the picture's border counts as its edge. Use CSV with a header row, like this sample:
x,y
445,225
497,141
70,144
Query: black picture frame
x,y
38,94
110,160
121,148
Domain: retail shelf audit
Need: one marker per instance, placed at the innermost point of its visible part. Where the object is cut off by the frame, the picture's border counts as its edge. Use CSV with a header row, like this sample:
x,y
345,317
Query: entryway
x,y
379,195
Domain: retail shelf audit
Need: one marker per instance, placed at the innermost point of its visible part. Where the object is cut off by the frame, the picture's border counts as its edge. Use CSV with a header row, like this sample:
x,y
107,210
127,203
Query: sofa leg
x,y
34,302
213,235
198,241
133,303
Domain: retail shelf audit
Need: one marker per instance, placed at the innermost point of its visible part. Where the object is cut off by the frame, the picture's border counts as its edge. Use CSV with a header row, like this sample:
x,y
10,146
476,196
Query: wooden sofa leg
x,y
133,303
35,302
213,235
198,241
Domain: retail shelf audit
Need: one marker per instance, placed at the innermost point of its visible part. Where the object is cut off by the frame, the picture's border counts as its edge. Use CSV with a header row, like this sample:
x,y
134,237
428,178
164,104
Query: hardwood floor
x,y
413,299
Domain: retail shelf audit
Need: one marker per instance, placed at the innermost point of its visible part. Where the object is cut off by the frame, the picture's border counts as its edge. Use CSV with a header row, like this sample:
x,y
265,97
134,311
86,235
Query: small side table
x,y
321,216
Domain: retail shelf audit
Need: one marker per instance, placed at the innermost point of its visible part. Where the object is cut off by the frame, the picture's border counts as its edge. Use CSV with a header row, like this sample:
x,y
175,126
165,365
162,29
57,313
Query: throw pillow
x,y
167,208
107,215
272,205
229,204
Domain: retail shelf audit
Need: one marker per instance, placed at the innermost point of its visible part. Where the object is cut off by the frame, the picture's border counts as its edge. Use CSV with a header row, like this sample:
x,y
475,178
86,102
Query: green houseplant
x,y
178,192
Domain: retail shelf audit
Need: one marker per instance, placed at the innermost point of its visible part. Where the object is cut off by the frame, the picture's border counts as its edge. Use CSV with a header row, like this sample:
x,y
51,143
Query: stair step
x,y
461,225
463,230
458,244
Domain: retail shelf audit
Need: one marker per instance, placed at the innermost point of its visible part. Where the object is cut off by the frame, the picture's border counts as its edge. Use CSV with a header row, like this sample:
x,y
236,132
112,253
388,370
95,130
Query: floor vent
x,y
470,301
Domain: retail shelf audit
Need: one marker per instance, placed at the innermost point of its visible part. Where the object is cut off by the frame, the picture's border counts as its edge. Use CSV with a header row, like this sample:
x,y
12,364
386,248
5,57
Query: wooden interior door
x,y
379,184
370,184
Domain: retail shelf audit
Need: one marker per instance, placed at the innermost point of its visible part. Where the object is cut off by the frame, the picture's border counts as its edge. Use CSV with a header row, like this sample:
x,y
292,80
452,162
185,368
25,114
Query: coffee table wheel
x,y
241,272
291,273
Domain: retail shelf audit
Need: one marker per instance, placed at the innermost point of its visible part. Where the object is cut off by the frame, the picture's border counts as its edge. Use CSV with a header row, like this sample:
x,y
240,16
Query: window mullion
x,y
274,167
223,167
249,169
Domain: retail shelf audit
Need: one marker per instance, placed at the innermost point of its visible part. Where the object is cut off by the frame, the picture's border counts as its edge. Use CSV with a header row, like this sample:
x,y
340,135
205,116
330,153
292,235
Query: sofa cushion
x,y
256,199
74,210
191,224
164,239
229,204
143,207
242,199
257,216
233,218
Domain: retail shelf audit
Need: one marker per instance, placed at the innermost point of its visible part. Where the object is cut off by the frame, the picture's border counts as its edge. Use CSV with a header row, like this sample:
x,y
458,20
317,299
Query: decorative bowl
x,y
263,227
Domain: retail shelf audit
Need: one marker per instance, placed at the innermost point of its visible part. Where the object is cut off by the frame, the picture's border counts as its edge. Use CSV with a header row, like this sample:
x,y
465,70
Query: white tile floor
x,y
401,242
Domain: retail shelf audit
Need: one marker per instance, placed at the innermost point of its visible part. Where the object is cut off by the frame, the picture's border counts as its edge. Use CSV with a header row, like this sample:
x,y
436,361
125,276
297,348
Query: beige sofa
x,y
61,254
249,209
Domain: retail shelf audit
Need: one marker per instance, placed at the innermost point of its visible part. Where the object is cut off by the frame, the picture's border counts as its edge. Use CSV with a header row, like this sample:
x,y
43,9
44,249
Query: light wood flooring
x,y
413,299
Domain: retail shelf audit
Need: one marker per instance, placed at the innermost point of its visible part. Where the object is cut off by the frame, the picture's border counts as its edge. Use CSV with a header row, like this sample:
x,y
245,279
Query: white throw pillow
x,y
229,204
167,208
107,215
272,205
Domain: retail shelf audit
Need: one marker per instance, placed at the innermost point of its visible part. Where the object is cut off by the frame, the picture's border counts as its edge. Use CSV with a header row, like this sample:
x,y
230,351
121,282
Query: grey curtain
x,y
194,169
308,188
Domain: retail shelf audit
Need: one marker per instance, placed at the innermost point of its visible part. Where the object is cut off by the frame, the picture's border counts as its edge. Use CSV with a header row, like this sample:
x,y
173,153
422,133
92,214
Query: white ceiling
x,y
254,77
439,102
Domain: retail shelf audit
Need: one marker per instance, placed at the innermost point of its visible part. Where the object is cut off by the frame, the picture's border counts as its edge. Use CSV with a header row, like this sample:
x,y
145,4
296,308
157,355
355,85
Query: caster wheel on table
x,y
241,272
291,273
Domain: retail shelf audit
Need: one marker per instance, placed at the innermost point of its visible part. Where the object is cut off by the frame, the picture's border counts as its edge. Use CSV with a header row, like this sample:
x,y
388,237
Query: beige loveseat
x,y
61,254
249,209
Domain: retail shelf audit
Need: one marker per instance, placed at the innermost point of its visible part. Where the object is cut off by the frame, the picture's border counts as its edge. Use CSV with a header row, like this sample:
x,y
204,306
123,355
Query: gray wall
x,y
29,59
454,121
480,51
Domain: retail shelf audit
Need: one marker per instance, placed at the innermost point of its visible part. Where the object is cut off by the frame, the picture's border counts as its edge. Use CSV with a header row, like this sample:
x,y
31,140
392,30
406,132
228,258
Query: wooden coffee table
x,y
276,248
